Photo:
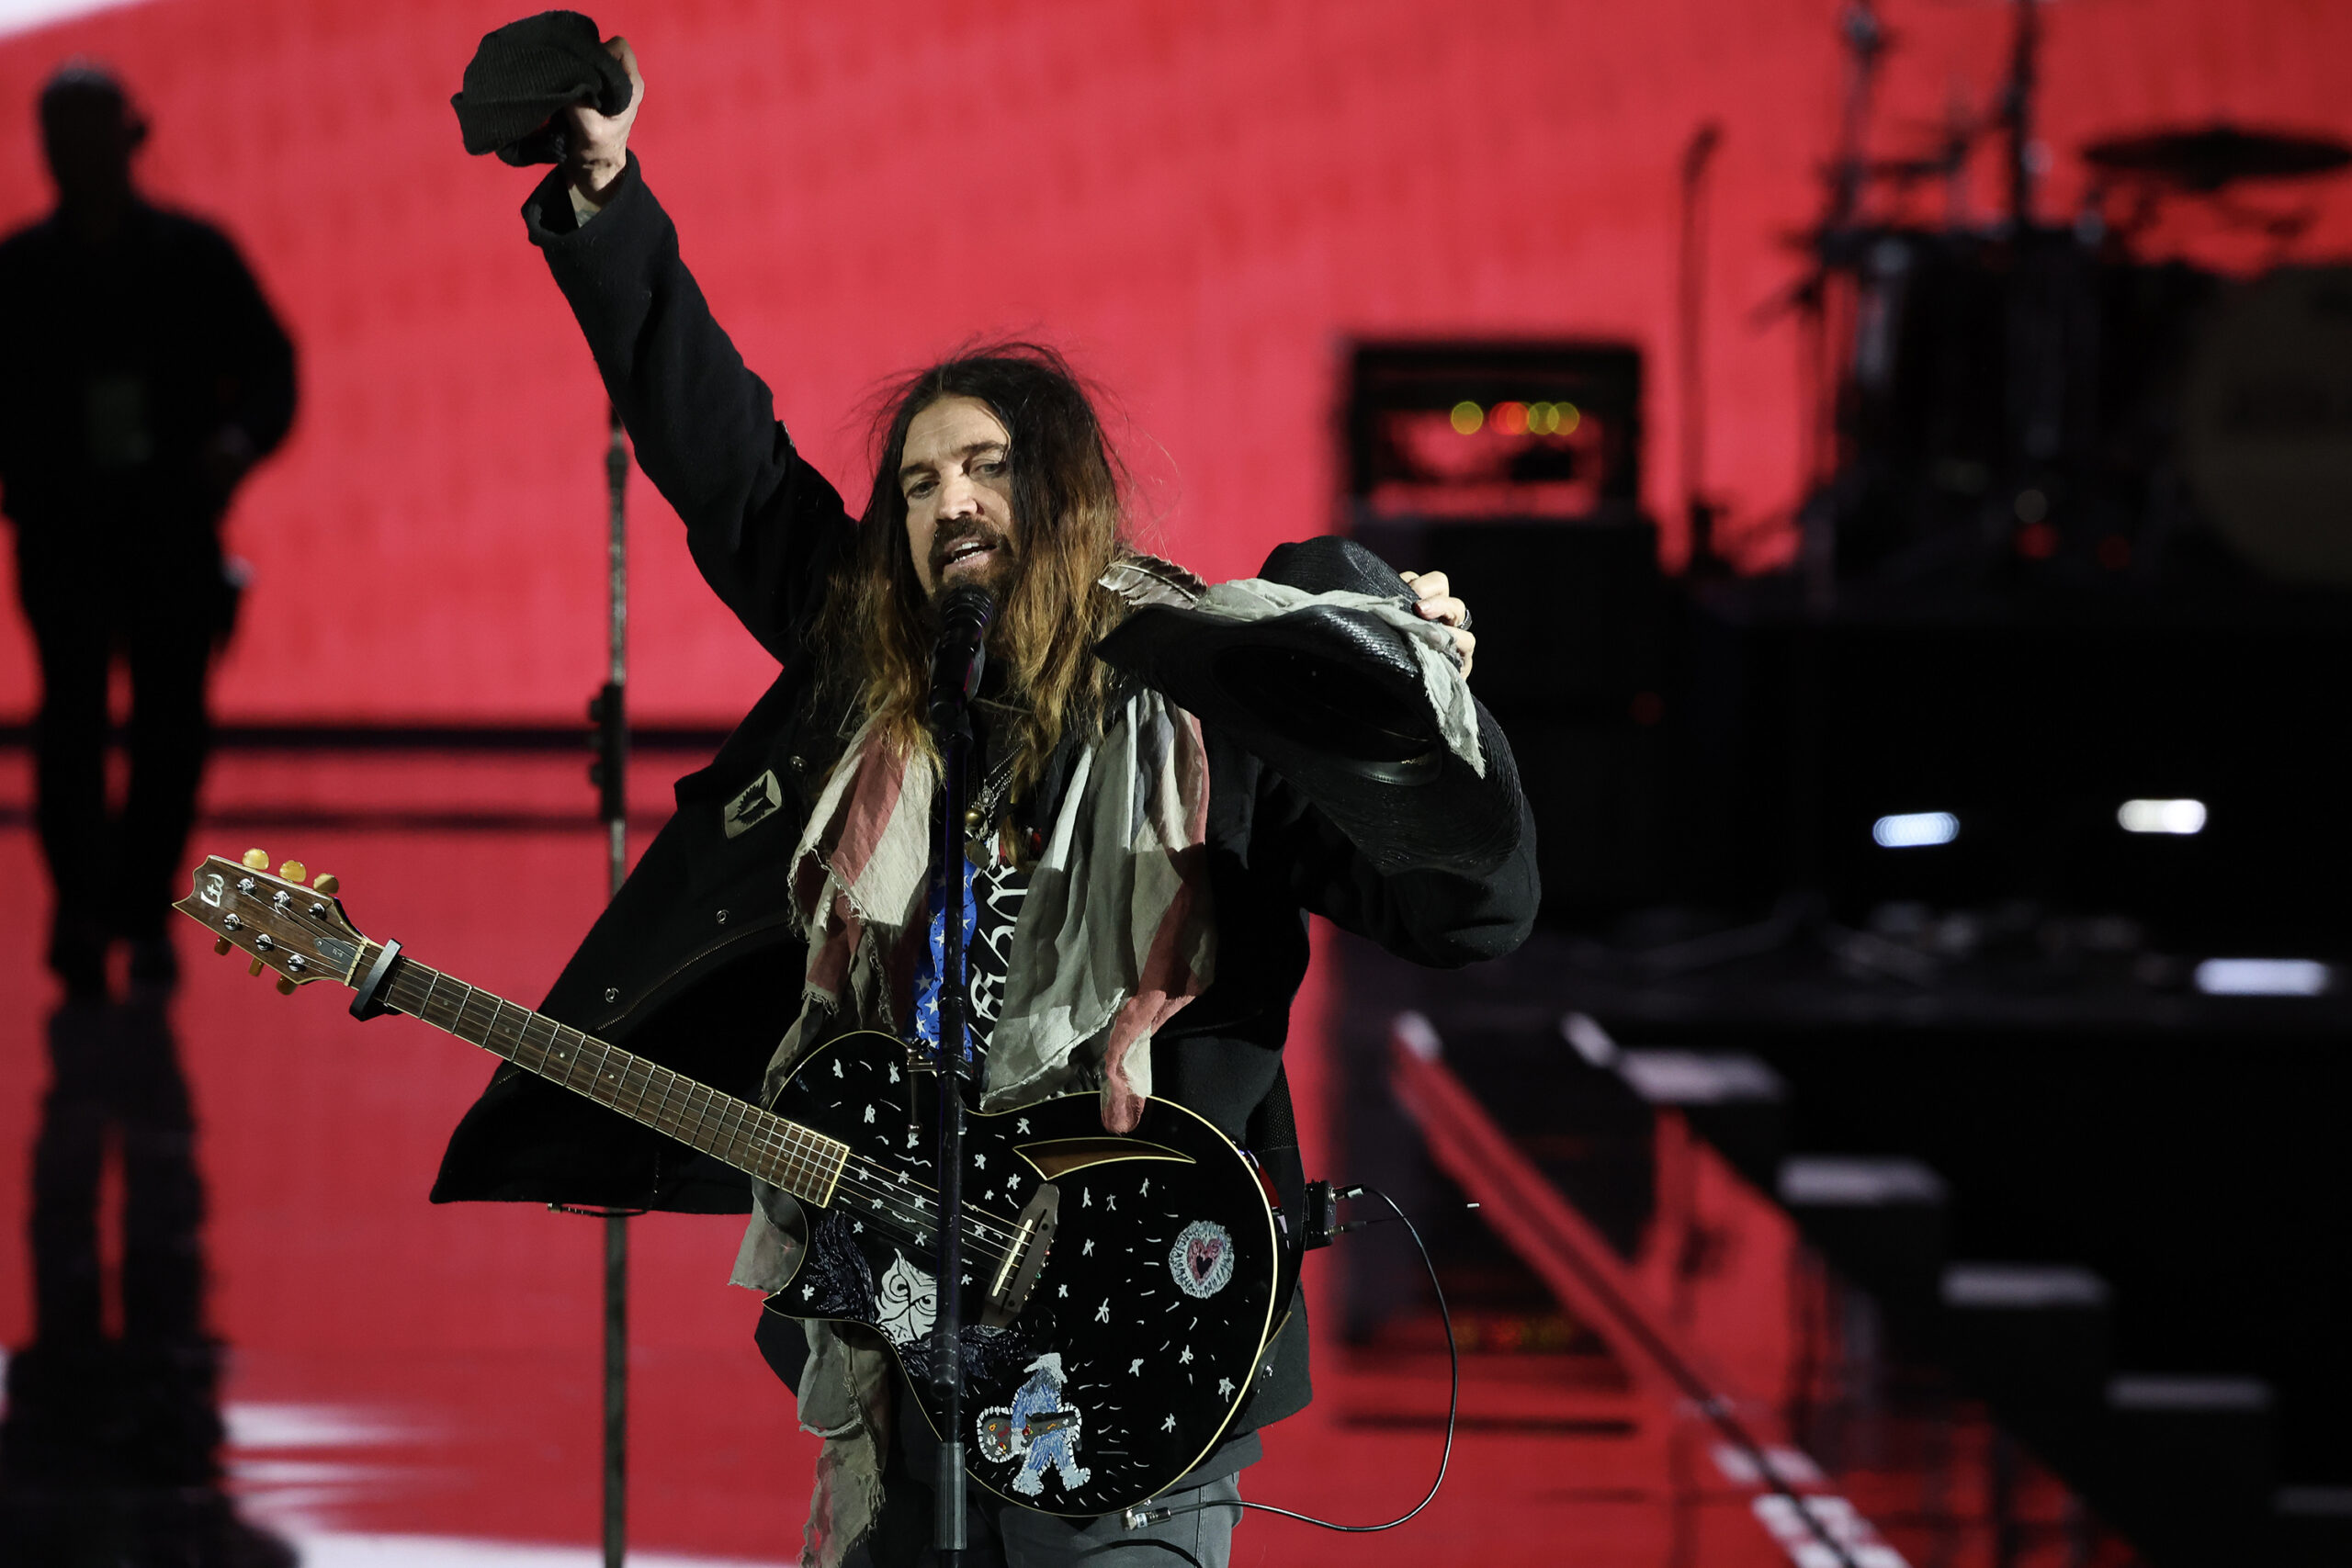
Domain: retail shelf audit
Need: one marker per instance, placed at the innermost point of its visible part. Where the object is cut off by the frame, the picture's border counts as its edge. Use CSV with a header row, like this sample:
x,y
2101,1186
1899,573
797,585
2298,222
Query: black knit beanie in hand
x,y
527,74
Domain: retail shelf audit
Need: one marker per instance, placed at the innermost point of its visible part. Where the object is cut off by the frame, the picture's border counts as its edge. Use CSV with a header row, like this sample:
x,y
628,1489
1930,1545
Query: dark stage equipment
x,y
2216,156
1479,430
2182,770
2023,404
2076,538
1513,468
1956,826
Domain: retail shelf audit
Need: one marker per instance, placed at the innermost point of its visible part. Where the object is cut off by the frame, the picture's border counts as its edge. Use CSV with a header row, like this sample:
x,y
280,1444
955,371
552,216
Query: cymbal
x,y
2217,155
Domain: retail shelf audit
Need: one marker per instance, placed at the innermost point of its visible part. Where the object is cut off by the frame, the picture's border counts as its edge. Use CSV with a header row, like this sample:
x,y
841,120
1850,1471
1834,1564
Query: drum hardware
x,y
2206,161
2028,402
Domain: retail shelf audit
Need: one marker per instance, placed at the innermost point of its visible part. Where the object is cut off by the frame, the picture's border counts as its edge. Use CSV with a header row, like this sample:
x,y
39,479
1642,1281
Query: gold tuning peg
x,y
293,871
224,947
256,860
327,883
256,970
285,985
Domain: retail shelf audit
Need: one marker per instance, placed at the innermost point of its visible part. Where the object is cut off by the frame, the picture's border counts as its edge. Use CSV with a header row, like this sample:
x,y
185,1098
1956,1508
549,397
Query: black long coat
x,y
696,964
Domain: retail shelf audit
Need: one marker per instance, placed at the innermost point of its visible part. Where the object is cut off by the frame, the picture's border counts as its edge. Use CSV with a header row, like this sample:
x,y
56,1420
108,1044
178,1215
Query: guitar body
x,y
1136,1341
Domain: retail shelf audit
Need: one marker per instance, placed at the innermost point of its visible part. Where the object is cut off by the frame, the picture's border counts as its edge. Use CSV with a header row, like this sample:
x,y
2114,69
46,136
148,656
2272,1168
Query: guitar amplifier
x,y
1514,468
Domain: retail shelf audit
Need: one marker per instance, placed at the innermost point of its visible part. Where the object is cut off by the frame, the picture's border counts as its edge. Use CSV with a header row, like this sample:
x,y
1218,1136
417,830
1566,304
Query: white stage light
x,y
2161,815
1915,830
24,16
2263,977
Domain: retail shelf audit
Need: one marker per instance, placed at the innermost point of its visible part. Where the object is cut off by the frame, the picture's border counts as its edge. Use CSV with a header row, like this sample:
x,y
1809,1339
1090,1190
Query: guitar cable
x,y
1144,1515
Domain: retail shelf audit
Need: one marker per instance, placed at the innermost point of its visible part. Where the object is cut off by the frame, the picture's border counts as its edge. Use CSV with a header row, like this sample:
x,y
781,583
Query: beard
x,y
996,574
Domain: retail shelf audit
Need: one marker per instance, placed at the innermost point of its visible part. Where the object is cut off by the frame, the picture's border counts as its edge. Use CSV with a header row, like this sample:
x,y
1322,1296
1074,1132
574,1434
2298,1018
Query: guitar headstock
x,y
279,924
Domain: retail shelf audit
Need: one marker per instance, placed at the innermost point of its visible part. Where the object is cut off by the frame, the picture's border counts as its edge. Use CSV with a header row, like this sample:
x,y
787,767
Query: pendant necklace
x,y
980,819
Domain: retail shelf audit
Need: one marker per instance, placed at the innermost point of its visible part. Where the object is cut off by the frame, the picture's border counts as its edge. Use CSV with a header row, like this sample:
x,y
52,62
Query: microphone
x,y
961,655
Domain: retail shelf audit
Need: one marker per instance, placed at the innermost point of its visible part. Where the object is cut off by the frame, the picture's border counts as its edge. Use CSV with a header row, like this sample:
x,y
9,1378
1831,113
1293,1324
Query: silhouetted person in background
x,y
111,1449
141,375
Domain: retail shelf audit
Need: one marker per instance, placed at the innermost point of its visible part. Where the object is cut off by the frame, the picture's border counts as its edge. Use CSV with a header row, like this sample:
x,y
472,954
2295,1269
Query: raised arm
x,y
763,525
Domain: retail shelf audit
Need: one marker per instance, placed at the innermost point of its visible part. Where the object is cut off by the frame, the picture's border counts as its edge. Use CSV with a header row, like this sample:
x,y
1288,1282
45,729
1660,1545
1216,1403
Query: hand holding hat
x,y
525,74
1326,667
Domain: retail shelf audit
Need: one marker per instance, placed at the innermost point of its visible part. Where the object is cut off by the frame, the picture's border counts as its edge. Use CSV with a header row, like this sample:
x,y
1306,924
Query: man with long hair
x,y
1134,887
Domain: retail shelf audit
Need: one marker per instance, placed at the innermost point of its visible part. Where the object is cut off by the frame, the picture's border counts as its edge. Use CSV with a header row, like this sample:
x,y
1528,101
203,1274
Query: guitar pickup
x,y
1033,1238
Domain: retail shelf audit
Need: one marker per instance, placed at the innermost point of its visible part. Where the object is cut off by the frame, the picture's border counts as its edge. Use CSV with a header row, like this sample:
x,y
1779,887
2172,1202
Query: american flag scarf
x,y
1114,938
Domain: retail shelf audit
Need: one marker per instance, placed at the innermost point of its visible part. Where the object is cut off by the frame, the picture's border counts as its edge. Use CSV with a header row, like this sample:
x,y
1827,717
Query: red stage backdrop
x,y
1201,200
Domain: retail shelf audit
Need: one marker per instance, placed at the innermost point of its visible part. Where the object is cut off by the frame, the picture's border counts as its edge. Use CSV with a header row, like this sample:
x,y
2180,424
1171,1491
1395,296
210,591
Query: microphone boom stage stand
x,y
608,711
963,615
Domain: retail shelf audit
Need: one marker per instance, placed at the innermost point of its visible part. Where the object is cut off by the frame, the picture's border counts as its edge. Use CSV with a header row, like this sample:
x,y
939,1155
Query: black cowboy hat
x,y
523,74
1337,700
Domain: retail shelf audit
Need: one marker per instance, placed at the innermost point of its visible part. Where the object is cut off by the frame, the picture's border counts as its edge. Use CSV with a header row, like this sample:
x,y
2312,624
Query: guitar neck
x,y
803,1162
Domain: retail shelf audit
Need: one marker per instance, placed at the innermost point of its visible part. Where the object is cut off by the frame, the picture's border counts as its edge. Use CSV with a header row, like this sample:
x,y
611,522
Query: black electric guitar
x,y
1120,1290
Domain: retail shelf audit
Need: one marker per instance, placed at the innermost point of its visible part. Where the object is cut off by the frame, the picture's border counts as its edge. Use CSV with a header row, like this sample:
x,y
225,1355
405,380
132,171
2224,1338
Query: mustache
x,y
944,544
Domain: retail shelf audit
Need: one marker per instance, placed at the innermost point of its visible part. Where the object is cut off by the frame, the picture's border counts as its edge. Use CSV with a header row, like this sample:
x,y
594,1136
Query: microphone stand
x,y
956,674
608,712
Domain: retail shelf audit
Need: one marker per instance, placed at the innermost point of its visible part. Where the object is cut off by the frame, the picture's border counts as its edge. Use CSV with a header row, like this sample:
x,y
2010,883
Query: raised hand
x,y
598,144
1437,603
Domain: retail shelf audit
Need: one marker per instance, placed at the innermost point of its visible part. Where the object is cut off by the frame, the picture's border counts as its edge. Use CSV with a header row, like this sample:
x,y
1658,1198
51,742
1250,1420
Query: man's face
x,y
957,481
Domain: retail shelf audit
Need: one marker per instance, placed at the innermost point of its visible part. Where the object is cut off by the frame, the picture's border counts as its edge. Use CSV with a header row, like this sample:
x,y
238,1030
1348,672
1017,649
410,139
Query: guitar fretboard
x,y
803,1162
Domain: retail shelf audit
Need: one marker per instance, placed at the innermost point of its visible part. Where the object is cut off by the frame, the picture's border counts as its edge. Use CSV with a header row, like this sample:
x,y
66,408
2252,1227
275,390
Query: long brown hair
x,y
1068,527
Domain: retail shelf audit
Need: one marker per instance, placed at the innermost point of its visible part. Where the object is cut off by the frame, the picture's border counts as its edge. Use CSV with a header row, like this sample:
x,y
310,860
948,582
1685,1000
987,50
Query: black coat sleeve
x,y
763,526
1441,918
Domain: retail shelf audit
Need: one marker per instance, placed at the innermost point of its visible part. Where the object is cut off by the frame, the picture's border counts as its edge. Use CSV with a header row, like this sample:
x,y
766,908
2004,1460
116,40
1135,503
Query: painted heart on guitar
x,y
1202,1258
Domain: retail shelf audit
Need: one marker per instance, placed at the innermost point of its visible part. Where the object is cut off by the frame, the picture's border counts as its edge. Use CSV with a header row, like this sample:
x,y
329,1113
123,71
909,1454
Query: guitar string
x,y
799,1151
778,1137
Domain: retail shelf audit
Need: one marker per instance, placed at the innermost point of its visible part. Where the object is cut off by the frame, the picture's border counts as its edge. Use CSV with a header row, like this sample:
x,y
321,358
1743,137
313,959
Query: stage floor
x,y
412,1384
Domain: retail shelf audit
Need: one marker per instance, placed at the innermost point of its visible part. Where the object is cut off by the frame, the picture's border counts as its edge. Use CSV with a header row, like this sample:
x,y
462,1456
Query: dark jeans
x,y
162,612
999,1535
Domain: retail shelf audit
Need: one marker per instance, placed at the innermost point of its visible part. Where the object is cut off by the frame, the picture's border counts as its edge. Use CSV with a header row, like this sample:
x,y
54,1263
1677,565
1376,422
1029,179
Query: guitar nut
x,y
722,917
612,993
